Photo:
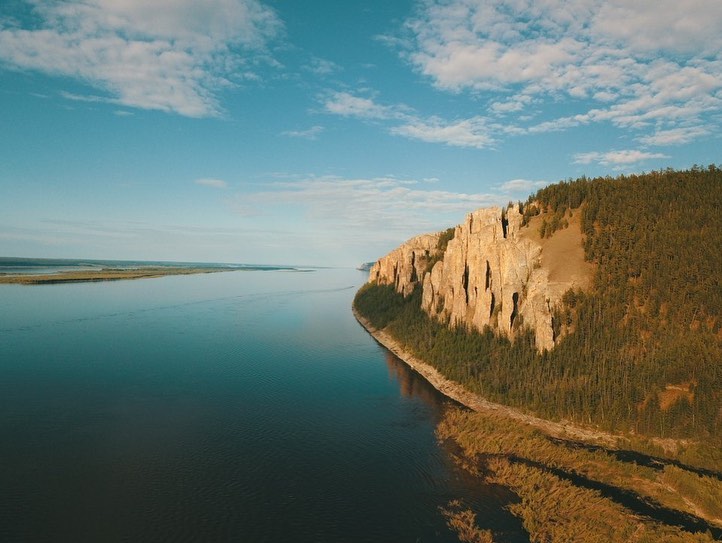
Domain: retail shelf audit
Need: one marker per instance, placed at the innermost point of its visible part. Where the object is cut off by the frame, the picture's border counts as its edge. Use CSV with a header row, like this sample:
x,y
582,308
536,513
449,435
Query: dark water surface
x,y
240,406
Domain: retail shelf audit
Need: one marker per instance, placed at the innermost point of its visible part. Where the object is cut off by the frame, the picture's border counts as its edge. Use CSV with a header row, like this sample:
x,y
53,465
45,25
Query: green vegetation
x,y
643,349
444,239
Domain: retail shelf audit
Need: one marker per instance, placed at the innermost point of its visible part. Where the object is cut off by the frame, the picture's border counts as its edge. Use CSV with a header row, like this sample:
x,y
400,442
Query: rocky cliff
x,y
492,273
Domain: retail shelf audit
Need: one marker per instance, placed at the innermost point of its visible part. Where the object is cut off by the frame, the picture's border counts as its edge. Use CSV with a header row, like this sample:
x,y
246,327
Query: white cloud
x,y
348,105
210,182
321,66
511,105
169,55
662,25
383,208
616,158
521,185
472,132
675,136
309,133
646,65
520,54
82,97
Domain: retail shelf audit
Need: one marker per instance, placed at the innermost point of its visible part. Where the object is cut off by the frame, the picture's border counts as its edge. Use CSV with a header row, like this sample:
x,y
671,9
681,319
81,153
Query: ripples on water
x,y
244,406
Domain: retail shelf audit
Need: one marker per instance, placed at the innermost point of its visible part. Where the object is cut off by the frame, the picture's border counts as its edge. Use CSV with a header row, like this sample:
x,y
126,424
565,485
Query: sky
x,y
326,132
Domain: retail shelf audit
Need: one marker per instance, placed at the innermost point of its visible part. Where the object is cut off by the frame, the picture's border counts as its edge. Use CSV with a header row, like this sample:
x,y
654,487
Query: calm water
x,y
240,406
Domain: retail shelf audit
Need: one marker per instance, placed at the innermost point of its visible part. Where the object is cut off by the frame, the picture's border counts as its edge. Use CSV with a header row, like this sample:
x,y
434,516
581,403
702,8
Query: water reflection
x,y
487,500
242,406
413,385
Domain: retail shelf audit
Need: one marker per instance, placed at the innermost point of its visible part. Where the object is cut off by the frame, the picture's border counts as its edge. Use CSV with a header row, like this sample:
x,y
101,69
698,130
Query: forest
x,y
642,352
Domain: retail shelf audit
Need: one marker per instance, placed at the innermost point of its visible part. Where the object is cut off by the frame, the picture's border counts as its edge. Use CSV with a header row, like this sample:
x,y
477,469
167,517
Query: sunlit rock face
x,y
489,275
404,266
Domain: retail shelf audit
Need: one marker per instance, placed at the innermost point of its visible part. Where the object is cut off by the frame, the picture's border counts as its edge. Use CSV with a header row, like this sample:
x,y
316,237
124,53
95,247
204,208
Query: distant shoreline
x,y
107,274
122,274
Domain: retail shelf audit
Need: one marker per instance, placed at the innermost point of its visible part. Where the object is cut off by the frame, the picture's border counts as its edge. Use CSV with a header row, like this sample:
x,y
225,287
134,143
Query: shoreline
x,y
470,400
660,494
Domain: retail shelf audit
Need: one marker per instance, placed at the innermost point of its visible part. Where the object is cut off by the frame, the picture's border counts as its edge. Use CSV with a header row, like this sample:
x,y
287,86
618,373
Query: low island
x,y
46,271
105,274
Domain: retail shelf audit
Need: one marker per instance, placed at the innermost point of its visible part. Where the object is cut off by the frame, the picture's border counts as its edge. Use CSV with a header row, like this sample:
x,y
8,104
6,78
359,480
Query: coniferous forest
x,y
642,349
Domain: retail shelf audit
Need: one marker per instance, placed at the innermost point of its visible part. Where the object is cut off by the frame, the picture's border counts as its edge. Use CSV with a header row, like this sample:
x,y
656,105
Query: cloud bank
x,y
404,121
652,69
652,65
168,55
616,158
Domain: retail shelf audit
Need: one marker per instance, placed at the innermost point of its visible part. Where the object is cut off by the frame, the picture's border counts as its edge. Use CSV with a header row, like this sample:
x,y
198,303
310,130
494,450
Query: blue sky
x,y
327,132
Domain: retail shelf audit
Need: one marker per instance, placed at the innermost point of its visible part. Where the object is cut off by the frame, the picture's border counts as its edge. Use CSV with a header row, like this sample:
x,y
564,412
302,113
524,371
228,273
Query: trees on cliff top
x,y
645,352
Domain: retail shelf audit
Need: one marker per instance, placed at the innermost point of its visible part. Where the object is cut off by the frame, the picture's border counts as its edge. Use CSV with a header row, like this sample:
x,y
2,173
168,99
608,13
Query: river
x,y
237,406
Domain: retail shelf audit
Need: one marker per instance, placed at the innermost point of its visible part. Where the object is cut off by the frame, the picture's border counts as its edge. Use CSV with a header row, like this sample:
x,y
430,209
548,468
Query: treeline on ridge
x,y
644,348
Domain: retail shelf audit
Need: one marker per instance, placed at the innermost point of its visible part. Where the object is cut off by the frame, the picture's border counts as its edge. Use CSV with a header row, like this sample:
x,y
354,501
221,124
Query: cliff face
x,y
404,266
490,274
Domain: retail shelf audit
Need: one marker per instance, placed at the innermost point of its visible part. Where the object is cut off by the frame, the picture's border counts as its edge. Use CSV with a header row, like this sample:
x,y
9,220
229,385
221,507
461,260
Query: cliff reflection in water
x,y
488,501
411,384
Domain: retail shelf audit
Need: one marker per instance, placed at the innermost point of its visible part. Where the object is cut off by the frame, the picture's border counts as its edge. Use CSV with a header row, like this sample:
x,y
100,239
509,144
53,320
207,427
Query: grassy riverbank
x,y
569,492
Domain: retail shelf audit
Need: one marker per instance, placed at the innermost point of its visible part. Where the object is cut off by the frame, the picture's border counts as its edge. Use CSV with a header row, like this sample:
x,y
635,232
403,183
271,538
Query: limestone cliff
x,y
491,274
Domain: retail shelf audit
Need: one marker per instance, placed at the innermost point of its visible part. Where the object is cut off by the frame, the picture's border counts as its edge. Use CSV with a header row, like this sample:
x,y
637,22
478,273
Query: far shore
x,y
105,274
124,273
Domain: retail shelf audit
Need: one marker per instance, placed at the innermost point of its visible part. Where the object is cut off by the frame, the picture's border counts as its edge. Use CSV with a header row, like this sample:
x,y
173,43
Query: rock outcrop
x,y
489,275
405,266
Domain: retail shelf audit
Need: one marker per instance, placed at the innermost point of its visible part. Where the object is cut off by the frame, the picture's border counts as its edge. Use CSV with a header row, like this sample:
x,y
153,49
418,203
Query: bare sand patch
x,y
563,253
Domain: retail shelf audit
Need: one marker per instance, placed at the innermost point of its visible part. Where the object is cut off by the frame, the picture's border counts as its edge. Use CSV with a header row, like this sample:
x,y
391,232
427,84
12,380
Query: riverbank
x,y
455,391
510,446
